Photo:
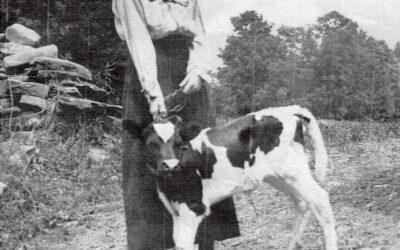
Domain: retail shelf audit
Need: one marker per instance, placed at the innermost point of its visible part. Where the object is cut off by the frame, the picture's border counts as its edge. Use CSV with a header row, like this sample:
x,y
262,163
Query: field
x,y
62,195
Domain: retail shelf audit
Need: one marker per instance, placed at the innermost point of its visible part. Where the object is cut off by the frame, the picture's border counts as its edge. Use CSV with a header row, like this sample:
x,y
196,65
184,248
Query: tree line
x,y
333,67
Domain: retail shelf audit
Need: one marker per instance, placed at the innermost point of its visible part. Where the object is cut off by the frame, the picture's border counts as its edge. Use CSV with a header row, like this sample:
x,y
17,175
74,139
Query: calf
x,y
197,168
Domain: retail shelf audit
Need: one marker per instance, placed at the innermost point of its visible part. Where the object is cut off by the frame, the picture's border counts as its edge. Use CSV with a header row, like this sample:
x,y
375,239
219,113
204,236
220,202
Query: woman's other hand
x,y
191,83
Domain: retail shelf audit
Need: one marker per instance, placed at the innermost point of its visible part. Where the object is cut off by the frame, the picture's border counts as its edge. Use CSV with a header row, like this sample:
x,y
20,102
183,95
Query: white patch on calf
x,y
167,203
185,227
200,138
225,178
276,112
164,130
171,163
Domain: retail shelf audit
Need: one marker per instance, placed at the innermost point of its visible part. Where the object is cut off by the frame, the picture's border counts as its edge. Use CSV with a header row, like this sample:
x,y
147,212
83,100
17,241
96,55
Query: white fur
x,y
285,167
287,116
168,205
164,130
185,227
171,163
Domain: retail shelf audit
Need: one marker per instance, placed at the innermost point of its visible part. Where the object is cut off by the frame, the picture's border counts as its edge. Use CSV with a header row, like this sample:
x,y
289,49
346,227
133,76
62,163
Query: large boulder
x,y
30,88
13,48
21,78
32,103
27,56
48,63
88,90
20,34
67,91
70,105
12,111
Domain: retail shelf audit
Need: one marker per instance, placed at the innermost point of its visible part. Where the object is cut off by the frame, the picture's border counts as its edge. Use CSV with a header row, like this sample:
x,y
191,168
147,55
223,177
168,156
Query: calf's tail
x,y
321,156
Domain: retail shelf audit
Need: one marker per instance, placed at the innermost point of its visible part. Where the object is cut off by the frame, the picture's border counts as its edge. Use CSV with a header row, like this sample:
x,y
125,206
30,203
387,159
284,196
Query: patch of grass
x,y
53,180
341,132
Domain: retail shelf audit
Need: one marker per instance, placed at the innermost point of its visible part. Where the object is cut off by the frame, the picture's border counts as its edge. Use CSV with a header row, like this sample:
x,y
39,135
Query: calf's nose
x,y
171,164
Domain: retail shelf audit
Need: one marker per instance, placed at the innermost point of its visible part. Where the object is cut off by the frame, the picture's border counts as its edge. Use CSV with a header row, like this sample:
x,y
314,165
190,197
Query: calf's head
x,y
166,141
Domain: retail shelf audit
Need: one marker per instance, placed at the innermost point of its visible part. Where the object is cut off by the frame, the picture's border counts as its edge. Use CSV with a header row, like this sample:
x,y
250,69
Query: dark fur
x,y
184,187
244,135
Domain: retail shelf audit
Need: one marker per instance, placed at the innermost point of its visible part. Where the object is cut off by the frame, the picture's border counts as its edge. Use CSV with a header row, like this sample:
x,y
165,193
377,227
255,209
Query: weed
x,y
53,180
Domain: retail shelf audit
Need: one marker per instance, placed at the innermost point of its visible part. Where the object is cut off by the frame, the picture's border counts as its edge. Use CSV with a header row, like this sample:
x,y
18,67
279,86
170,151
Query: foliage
x,y
83,29
397,50
52,181
332,67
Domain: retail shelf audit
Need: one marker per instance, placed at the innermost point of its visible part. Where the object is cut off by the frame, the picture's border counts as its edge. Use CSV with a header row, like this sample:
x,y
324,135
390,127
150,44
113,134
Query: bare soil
x,y
364,186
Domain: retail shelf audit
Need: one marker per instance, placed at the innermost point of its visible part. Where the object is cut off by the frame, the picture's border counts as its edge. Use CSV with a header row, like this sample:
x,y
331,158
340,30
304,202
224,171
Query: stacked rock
x,y
34,82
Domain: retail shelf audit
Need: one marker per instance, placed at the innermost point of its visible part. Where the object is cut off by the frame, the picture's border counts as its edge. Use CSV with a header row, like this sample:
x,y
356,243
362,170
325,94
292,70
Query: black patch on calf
x,y
235,137
203,160
189,132
244,135
306,119
299,135
208,160
266,133
184,187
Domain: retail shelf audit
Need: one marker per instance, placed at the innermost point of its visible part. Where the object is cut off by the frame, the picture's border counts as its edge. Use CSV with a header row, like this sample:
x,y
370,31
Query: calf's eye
x,y
184,148
152,146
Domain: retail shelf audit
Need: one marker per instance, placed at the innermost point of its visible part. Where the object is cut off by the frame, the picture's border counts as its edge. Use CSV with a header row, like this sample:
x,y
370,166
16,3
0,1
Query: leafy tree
x,y
355,74
302,50
397,50
251,59
333,67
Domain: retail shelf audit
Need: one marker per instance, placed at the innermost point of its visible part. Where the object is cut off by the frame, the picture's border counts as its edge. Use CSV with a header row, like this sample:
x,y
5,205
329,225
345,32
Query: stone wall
x,y
35,84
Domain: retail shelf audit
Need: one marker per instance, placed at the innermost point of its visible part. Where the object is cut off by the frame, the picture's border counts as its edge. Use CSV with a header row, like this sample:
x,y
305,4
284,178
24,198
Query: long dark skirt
x,y
149,225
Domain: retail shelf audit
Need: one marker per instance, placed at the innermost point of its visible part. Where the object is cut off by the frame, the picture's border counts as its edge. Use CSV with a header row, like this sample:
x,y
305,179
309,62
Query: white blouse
x,y
138,22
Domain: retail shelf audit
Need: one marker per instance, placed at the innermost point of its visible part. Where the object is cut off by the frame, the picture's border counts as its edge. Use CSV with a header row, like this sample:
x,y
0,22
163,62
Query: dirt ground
x,y
364,186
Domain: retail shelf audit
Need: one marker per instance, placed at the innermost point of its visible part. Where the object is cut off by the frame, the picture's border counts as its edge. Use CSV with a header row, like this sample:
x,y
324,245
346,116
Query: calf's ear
x,y
190,132
176,120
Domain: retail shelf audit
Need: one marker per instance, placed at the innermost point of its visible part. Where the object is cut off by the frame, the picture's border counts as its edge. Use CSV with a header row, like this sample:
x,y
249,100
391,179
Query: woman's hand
x,y
157,107
191,83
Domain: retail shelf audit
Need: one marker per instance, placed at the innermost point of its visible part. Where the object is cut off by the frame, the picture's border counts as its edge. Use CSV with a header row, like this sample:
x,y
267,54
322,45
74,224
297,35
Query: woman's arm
x,y
131,27
198,69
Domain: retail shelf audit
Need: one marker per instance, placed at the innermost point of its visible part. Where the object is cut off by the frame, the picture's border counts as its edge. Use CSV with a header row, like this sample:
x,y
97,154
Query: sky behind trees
x,y
379,18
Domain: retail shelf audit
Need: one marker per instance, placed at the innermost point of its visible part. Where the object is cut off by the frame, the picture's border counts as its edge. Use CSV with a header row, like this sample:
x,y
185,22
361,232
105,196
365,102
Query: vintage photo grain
x,y
199,124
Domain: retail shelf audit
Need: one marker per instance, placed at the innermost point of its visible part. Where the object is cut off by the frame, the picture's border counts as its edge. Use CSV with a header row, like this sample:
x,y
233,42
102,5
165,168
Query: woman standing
x,y
165,39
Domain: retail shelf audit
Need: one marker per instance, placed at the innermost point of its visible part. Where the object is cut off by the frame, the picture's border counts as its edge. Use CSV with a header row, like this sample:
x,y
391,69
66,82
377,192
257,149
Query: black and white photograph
x,y
199,124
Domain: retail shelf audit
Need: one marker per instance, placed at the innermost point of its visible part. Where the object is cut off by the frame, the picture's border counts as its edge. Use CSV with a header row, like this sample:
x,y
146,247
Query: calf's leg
x,y
186,224
300,212
318,201
293,176
300,221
